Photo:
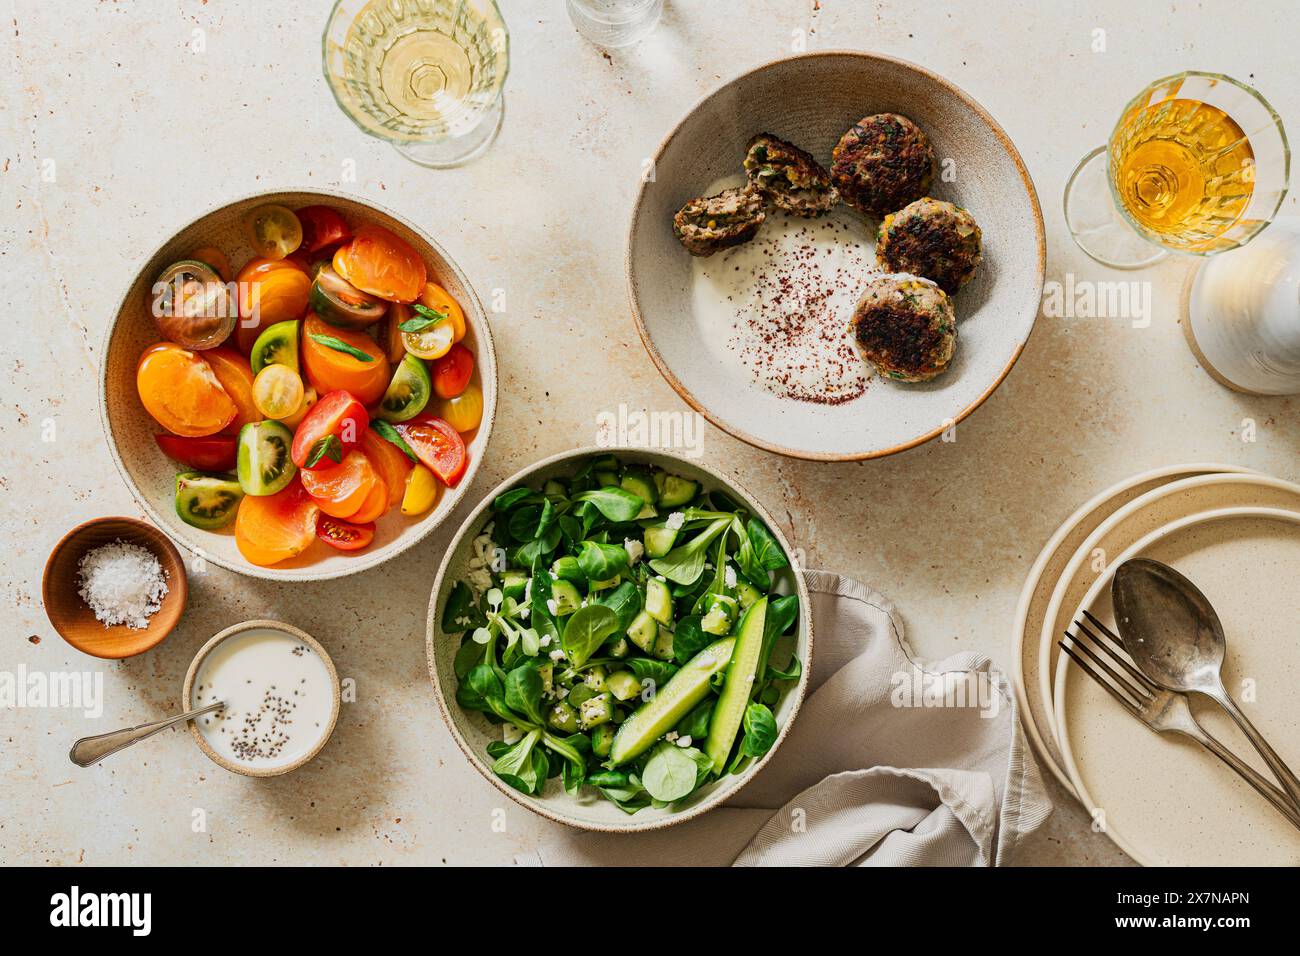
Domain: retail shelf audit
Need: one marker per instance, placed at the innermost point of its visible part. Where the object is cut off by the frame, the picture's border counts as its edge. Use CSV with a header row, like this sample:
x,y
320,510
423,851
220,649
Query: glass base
x,y
614,24
458,150
1098,227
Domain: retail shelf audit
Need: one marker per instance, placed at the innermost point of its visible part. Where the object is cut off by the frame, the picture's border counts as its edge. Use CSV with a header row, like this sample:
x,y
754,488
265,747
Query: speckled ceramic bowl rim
x,y
716,418
232,631
1060,675
486,356
1049,551
551,809
178,583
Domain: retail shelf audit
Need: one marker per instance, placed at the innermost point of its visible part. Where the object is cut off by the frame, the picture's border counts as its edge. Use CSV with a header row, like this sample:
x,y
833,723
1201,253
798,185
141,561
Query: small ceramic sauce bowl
x,y
73,619
284,694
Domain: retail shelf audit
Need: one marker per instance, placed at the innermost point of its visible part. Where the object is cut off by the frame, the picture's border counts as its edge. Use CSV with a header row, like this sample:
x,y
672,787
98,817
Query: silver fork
x,y
1161,710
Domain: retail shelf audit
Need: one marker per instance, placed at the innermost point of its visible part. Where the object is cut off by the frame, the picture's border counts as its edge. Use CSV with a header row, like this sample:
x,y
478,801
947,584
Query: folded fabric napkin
x,y
891,762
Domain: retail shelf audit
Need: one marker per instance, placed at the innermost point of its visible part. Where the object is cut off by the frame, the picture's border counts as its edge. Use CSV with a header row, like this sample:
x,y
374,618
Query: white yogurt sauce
x,y
278,694
777,308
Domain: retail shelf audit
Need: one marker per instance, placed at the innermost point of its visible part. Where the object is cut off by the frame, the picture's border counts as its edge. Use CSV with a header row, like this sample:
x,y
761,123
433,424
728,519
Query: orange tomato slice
x,y
342,489
378,262
329,369
375,506
181,392
236,377
390,463
439,299
274,528
270,291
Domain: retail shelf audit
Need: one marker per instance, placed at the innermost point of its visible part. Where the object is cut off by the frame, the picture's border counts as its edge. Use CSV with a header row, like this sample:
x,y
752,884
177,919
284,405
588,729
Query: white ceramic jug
x,y
1242,313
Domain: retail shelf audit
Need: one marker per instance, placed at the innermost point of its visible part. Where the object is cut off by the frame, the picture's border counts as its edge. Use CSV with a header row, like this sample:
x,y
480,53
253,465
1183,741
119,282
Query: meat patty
x,y
883,163
904,326
790,177
931,238
710,223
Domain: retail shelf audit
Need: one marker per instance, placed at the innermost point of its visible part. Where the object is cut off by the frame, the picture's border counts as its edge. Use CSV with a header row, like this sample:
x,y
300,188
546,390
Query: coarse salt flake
x,y
122,583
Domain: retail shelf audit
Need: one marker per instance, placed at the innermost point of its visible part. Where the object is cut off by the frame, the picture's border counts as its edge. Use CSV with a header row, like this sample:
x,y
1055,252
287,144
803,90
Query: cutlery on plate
x,y
1163,711
91,750
1174,637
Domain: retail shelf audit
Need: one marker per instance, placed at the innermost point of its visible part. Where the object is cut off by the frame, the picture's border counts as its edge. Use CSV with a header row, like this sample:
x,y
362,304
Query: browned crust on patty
x,y
883,163
905,328
934,239
789,176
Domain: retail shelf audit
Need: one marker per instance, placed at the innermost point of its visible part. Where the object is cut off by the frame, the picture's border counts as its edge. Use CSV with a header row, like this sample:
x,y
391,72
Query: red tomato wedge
x,y
322,227
391,463
337,414
344,535
215,453
452,372
437,445
341,490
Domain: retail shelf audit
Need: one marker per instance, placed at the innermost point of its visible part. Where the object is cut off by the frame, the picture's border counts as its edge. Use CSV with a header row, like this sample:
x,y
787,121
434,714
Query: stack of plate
x,y
1161,798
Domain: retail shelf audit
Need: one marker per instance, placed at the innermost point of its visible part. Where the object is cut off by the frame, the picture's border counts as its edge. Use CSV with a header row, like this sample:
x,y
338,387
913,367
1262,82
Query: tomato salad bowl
x,y
481,738
298,385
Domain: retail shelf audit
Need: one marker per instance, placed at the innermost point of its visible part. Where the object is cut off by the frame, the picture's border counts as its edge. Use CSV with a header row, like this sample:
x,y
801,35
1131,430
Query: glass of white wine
x,y
1198,163
425,75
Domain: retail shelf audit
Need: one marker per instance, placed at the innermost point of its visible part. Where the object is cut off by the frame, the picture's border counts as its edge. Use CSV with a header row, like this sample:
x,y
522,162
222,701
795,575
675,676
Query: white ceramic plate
x,y
1152,510
812,100
1163,799
1046,571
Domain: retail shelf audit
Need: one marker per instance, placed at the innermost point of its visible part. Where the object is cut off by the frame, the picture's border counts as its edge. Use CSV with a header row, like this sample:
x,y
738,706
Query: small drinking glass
x,y
615,23
424,75
1198,163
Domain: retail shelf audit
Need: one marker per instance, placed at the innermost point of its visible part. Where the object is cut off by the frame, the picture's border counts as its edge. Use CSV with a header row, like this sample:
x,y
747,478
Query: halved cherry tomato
x,y
439,299
180,391
344,535
337,414
437,445
270,291
451,372
309,398
215,453
236,377
390,462
341,490
465,411
389,335
274,231
329,368
378,262
216,259
375,506
322,227
274,528
278,391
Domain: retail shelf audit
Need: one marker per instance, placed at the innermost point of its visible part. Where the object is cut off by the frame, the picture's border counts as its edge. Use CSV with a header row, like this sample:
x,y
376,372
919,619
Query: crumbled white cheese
x,y
730,576
122,583
557,655
551,605
561,692
671,735
479,573
675,521
683,741
634,550
510,733
545,641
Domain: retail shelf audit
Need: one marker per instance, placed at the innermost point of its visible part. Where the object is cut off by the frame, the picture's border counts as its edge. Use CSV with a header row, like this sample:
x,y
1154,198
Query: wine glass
x,y
1198,163
424,75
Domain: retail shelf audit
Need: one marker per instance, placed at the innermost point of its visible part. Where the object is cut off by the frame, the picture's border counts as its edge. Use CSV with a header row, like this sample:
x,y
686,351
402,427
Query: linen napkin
x,y
890,762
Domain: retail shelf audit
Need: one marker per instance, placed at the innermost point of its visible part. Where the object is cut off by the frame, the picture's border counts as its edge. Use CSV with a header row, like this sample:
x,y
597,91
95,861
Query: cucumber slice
x,y
408,392
277,345
730,709
640,484
659,541
663,648
602,738
553,489
563,718
263,461
619,649
567,599
623,685
659,601
677,491
206,501
606,479
643,631
672,702
747,593
594,677
568,569
596,711
513,584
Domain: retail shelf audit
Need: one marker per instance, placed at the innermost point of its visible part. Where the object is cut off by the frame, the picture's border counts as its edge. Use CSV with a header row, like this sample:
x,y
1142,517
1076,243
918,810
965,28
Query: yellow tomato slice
x,y
464,411
278,391
421,491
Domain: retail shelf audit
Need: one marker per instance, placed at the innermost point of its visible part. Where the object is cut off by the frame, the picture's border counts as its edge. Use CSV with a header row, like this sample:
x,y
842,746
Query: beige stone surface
x,y
115,132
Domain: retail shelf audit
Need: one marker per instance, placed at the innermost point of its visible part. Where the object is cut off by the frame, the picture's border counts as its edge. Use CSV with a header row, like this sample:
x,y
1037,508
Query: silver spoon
x,y
91,750
1175,638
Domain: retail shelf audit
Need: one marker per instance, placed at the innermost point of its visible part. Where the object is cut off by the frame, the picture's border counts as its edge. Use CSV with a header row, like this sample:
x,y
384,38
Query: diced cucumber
x,y
747,593
730,709
605,463
646,513
563,718
640,484
602,738
721,614
513,584
594,677
619,649
606,479
623,685
596,711
663,648
547,673
580,694
566,597
568,569
677,491
554,489
659,601
672,702
643,631
605,585
659,541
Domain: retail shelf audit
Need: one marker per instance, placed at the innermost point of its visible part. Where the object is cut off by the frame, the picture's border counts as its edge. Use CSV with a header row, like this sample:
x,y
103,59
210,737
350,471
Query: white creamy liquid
x,y
776,309
278,698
